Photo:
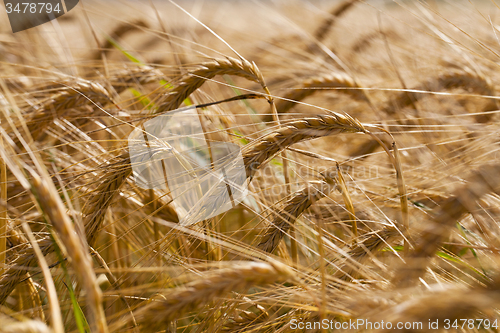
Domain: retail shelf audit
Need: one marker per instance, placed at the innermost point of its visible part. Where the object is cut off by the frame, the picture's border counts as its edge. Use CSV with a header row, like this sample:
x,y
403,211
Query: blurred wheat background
x,y
370,136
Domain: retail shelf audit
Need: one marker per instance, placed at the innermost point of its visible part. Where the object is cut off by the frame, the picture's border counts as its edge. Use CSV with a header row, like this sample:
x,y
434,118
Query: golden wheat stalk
x,y
184,299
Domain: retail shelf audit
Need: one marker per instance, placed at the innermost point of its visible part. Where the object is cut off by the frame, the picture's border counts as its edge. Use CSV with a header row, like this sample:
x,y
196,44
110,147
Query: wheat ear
x,y
193,80
181,300
255,156
79,94
328,23
356,256
52,205
123,79
318,84
257,153
481,182
446,81
120,31
292,209
452,304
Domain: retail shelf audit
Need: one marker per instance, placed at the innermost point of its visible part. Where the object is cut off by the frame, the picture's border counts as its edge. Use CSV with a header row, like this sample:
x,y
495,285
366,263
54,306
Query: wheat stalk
x,y
173,305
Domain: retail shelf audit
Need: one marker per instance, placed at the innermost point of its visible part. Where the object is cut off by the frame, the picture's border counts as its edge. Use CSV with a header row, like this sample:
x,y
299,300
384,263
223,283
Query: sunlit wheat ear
x,y
77,95
317,85
194,79
212,285
362,250
291,210
260,151
467,80
482,181
115,175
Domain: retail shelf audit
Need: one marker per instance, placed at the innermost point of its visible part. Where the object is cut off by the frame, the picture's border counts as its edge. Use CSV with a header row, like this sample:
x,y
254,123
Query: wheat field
x,y
369,137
